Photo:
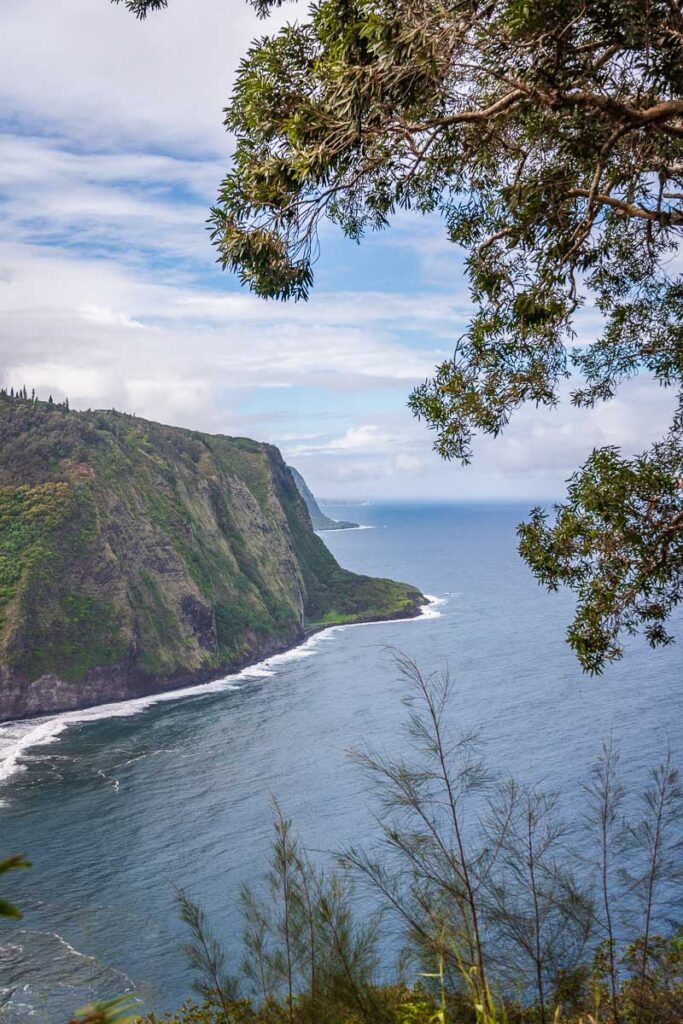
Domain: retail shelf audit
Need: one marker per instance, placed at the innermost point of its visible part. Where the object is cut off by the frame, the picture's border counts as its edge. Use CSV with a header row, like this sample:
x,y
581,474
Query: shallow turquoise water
x,y
114,809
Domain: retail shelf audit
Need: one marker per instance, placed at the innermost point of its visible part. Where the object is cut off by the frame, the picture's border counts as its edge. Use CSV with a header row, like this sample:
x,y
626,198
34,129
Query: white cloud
x,y
107,317
555,442
408,463
32,162
91,69
81,385
166,398
365,438
106,335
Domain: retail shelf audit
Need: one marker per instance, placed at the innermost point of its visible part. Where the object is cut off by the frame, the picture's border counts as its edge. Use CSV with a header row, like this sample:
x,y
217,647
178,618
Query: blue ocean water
x,y
114,806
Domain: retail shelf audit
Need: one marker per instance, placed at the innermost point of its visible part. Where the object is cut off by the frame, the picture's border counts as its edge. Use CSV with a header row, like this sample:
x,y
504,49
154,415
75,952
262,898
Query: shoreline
x,y
46,728
105,692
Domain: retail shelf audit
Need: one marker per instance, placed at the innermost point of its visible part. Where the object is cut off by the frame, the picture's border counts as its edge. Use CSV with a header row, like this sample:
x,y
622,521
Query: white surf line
x,y
431,611
115,781
347,529
83,956
23,735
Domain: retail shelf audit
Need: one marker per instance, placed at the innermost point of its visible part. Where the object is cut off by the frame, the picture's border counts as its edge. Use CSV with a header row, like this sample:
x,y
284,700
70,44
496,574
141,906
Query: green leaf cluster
x,y
8,909
548,137
617,543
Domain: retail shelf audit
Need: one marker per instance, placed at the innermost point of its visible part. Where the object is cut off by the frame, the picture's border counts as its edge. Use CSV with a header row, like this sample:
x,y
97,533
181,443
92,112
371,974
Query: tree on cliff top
x,y
549,138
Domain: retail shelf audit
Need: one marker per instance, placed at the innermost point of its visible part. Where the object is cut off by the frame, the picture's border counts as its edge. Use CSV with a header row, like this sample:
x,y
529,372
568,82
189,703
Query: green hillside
x,y
136,557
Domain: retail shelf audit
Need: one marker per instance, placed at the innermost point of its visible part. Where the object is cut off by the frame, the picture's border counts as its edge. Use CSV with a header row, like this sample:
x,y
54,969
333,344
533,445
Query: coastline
x,y
38,730
59,696
338,529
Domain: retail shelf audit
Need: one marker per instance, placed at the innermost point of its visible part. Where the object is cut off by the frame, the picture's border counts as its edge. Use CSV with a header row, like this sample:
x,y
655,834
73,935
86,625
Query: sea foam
x,y
17,738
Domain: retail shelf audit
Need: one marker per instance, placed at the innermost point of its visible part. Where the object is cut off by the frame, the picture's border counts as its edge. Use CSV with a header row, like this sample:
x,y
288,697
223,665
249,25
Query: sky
x,y
111,152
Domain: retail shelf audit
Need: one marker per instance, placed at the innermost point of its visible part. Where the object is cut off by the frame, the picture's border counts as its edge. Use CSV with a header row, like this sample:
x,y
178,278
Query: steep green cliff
x,y
136,557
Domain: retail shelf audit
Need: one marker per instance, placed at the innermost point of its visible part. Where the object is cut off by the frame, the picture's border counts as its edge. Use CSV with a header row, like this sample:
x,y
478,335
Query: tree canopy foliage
x,y
140,7
548,136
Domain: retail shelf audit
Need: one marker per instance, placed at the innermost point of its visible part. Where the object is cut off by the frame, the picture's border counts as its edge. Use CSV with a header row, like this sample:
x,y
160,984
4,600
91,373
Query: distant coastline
x,y
319,520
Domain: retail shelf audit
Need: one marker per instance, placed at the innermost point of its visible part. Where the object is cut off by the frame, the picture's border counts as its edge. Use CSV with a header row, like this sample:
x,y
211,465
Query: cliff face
x,y
318,518
136,557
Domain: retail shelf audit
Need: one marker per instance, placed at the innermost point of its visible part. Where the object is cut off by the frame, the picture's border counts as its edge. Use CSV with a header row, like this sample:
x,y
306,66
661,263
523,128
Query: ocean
x,y
116,805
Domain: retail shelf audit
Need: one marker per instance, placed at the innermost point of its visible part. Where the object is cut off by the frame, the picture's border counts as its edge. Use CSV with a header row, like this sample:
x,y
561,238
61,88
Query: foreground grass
x,y
588,1003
